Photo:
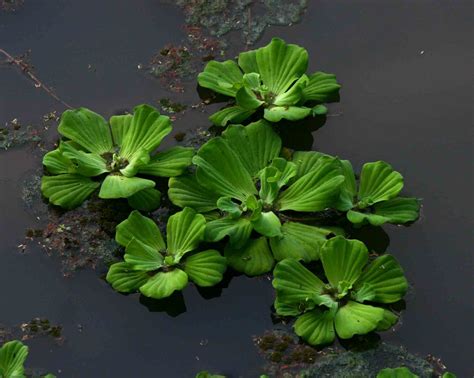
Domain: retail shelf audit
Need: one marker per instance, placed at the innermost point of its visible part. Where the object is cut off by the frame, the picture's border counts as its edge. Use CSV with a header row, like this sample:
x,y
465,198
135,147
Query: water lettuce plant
x,y
272,78
404,372
376,200
12,359
94,153
244,186
337,306
156,268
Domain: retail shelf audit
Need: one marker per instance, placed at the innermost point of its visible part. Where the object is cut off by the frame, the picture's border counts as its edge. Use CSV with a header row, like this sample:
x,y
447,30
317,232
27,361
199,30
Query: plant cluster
x,y
242,190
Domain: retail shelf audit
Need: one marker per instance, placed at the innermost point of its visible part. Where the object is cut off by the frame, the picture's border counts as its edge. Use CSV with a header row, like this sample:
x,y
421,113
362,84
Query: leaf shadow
x,y
174,305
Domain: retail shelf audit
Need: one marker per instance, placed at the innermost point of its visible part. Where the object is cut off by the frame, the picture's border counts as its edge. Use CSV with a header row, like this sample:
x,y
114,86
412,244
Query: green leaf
x,y
206,374
248,62
119,124
400,372
306,161
319,110
321,87
296,288
315,191
255,144
299,241
252,80
163,284
349,188
238,230
141,228
68,191
124,278
234,114
378,182
398,210
205,268
267,224
448,375
357,319
221,170
116,186
221,77
290,113
247,99
145,200
146,131
360,218
384,281
185,191
142,257
84,163
280,64
253,259
274,177
12,358
138,159
343,260
226,205
86,128
184,232
388,321
293,95
169,163
316,327
57,163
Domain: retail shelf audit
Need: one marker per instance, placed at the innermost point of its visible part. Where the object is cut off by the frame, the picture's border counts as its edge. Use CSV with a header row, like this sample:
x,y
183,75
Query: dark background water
x,y
407,98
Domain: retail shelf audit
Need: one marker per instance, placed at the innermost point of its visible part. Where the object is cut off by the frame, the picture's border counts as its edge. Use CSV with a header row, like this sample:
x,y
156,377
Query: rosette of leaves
x,y
94,153
156,268
245,187
376,200
12,360
337,306
272,78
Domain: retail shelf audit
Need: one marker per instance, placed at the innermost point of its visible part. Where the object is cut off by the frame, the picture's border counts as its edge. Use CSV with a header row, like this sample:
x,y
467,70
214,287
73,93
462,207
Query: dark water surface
x,y
407,98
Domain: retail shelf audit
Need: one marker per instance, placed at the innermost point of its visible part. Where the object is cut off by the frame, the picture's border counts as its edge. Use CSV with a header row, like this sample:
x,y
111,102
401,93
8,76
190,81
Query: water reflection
x,y
173,305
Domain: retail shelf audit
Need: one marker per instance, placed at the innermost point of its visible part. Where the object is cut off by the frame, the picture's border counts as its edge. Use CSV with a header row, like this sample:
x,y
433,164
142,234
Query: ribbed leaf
x,y
86,128
246,99
400,372
322,87
85,164
142,257
382,281
57,163
348,189
256,144
343,260
274,177
378,182
293,95
119,125
306,161
316,327
388,321
185,191
399,210
360,218
315,191
145,200
227,205
290,113
253,259
205,268
248,62
163,284
184,232
267,224
221,77
146,131
116,186
138,159
280,64
233,114
221,170
357,319
169,163
296,288
141,228
67,191
298,241
12,358
238,230
124,278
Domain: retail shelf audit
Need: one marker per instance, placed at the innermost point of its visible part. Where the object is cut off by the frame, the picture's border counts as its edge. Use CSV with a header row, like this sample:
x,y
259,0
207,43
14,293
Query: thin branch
x,y
37,82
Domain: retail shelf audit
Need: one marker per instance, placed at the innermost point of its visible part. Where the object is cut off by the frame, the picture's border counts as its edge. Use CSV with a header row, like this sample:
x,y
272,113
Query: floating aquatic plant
x,y
12,359
324,309
156,268
243,177
404,372
376,201
111,156
272,78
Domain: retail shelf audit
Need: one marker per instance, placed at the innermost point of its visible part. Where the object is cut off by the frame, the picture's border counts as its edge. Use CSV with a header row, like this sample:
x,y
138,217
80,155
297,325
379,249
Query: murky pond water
x,y
406,98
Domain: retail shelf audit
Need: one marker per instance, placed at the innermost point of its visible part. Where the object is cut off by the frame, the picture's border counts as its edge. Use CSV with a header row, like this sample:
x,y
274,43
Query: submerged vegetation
x,y
272,78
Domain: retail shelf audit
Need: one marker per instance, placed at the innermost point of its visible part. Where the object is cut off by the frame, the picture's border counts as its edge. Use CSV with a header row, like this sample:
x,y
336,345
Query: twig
x,y
27,71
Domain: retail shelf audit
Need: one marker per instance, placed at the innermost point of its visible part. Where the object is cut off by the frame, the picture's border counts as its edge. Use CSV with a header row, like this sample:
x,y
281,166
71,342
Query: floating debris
x,y
11,5
15,134
171,107
35,328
